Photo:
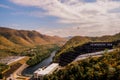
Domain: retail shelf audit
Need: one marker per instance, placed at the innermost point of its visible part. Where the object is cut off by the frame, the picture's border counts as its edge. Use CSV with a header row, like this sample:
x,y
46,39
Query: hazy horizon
x,y
62,17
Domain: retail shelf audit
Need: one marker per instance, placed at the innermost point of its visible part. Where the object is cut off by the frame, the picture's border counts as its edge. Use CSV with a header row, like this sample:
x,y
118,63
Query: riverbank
x,y
19,74
30,70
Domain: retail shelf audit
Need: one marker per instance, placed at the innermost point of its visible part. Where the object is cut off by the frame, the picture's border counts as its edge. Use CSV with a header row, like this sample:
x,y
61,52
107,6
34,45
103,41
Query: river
x,y
30,70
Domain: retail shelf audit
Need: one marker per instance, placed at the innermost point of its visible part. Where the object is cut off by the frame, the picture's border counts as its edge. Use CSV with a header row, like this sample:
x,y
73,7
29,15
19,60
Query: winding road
x,y
83,56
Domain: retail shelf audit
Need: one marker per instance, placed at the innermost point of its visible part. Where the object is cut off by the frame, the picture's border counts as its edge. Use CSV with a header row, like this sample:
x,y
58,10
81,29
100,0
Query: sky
x,y
62,17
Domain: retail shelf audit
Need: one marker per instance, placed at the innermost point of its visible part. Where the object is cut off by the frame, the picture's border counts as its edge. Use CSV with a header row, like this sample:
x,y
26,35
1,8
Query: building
x,y
40,73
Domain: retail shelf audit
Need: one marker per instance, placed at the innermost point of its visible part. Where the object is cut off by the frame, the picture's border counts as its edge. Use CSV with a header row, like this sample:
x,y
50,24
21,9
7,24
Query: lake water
x,y
30,70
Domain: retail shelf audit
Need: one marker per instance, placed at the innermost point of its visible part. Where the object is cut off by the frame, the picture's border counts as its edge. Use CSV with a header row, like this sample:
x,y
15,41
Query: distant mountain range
x,y
13,38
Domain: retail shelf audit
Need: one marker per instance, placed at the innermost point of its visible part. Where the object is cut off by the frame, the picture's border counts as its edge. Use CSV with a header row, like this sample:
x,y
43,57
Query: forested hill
x,y
79,40
106,67
14,38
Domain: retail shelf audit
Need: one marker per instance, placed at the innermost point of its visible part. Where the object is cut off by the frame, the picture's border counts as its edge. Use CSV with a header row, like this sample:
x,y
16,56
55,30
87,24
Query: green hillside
x,y
106,67
15,42
79,40
72,43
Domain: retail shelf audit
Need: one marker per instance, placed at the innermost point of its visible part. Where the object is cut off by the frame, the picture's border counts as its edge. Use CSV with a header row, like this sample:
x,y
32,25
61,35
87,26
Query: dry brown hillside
x,y
12,37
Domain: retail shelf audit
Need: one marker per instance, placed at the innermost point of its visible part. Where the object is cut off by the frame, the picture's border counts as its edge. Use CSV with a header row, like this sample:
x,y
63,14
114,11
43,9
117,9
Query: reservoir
x,y
30,70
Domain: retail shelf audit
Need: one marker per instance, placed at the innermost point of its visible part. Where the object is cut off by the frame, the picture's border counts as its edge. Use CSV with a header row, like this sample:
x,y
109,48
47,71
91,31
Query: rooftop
x,y
47,70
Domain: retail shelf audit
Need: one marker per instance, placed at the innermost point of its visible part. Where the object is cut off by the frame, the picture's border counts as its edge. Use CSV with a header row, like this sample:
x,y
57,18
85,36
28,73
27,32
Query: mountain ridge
x,y
71,44
26,38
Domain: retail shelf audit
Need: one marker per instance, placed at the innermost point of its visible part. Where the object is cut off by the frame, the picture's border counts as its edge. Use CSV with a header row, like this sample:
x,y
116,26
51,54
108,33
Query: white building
x,y
40,73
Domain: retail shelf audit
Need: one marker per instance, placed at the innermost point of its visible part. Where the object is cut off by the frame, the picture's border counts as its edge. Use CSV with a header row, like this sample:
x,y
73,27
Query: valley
x,y
77,49
17,44
59,39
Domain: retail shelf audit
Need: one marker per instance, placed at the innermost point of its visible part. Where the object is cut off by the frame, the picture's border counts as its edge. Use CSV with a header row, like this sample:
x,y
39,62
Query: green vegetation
x,y
26,43
79,40
36,54
39,53
3,67
11,51
106,67
6,70
16,42
11,69
70,45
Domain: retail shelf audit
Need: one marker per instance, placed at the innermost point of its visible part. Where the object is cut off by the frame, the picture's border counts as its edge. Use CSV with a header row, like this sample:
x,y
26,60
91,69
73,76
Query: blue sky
x,y
62,17
20,17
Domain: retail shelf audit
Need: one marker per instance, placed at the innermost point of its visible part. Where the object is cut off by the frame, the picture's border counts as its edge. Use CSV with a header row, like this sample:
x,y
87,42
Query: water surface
x,y
30,70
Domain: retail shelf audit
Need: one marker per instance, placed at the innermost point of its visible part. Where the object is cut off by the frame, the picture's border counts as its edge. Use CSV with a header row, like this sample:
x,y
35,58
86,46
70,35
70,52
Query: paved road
x,y
15,60
80,57
17,73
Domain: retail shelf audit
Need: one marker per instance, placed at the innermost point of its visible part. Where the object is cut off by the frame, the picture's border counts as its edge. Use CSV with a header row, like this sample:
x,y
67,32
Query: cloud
x,y
5,6
30,13
95,29
101,16
73,11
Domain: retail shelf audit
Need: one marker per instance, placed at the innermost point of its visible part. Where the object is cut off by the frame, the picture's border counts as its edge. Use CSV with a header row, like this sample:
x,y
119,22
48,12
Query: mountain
x,y
106,67
5,42
79,40
69,37
11,37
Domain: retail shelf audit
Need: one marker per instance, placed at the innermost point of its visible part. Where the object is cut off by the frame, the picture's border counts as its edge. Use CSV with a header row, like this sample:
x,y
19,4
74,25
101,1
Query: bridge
x,y
86,49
